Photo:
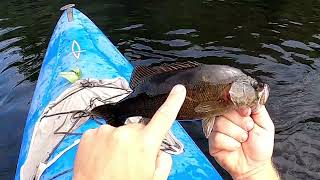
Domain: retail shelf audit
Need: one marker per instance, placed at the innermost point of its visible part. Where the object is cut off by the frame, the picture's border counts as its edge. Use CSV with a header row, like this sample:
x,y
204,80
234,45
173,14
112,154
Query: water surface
x,y
277,41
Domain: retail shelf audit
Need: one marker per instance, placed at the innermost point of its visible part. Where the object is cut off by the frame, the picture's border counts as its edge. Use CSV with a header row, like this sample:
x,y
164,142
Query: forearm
x,y
267,172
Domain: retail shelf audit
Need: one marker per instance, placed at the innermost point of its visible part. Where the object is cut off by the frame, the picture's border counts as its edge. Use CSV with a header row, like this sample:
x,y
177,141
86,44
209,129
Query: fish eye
x,y
255,84
260,86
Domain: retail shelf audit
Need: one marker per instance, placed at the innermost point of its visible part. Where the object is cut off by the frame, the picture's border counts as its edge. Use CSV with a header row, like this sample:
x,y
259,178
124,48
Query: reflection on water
x,y
275,41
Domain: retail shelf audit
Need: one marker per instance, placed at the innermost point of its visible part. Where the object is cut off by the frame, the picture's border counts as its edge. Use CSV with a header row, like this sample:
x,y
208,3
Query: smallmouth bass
x,y
212,90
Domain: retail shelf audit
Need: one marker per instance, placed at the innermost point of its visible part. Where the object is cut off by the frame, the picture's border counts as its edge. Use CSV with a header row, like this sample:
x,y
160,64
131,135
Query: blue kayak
x,y
79,65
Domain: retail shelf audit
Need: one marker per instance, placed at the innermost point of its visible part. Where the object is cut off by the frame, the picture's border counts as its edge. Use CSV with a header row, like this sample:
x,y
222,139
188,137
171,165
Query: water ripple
x,y
134,26
9,42
9,29
182,31
296,44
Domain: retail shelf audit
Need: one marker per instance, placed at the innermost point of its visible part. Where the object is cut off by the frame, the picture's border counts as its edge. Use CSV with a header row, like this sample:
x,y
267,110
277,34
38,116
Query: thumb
x,y
163,166
261,118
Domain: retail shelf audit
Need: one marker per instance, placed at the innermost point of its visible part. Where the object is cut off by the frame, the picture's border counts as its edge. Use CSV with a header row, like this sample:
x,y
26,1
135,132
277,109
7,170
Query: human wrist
x,y
266,171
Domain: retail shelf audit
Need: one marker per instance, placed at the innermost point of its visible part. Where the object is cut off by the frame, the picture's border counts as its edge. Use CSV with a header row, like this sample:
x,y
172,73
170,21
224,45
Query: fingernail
x,y
249,125
244,137
178,89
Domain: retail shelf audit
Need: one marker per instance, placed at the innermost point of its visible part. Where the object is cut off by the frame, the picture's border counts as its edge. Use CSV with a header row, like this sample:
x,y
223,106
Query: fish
x,y
211,91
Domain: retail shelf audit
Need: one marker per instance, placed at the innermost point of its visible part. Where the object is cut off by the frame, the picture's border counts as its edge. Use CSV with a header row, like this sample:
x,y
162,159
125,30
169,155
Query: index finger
x,y
163,119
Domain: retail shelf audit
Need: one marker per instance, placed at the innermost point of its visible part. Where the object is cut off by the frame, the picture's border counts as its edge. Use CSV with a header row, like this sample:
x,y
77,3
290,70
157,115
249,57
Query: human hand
x,y
243,145
130,151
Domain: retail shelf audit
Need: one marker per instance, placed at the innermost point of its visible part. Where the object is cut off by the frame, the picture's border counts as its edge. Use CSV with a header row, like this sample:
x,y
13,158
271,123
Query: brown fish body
x,y
208,92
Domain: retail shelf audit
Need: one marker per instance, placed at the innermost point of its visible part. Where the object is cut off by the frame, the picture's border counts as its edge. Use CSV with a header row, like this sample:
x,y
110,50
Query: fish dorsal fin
x,y
140,73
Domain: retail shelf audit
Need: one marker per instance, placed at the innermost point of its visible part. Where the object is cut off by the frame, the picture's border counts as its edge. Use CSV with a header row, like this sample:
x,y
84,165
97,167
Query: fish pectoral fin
x,y
207,125
171,144
208,106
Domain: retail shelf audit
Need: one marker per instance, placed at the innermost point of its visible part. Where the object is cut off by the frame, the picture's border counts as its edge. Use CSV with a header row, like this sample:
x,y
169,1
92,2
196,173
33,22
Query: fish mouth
x,y
263,98
264,94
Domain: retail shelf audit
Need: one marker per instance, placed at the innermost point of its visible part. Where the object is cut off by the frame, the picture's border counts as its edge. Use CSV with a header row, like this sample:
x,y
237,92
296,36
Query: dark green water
x,y
277,41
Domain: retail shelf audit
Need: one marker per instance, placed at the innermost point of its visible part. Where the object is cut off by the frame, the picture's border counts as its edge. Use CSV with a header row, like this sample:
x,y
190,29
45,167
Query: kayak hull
x,y
78,43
